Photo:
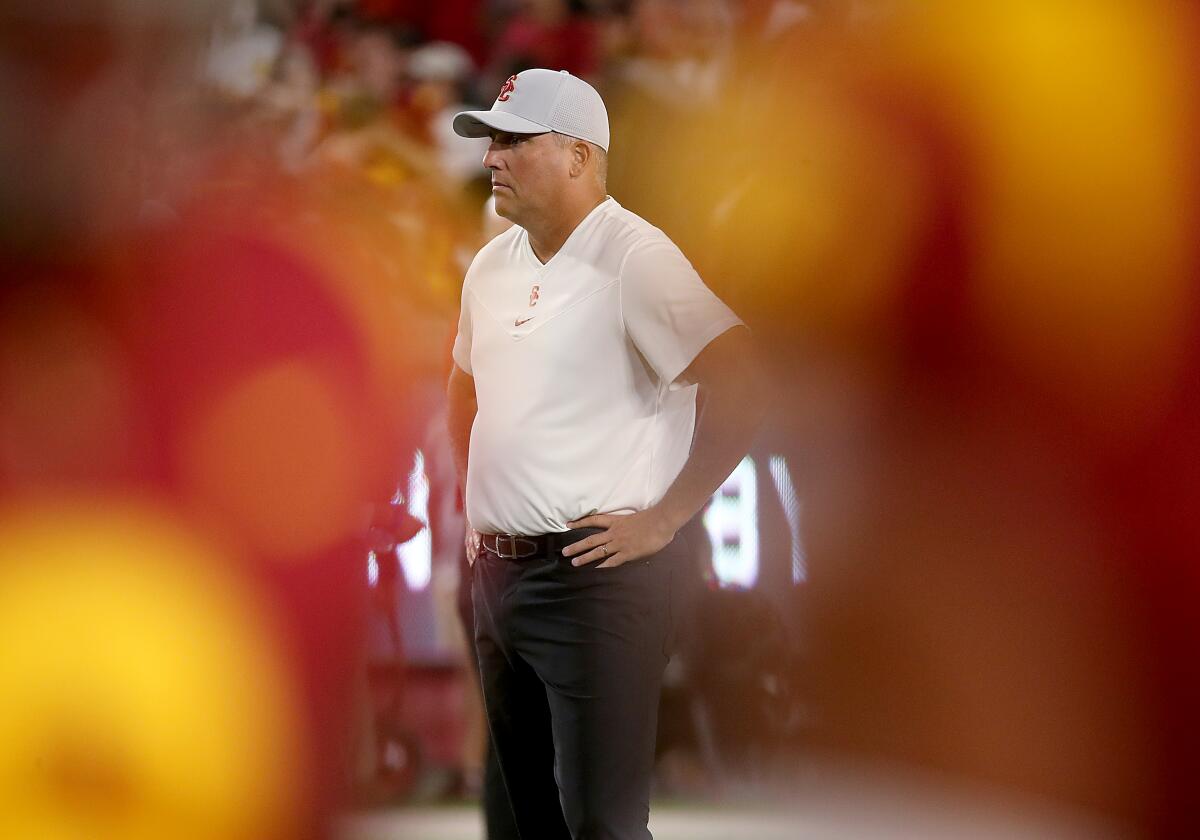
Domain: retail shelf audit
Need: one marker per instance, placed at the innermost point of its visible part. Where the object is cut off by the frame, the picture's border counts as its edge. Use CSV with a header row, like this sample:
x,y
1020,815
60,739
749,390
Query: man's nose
x,y
492,158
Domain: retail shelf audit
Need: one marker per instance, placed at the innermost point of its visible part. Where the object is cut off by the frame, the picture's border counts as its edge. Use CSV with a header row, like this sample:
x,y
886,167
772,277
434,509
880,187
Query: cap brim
x,y
480,123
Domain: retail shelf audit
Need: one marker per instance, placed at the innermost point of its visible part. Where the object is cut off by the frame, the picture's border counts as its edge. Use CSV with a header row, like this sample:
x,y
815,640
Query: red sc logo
x,y
507,88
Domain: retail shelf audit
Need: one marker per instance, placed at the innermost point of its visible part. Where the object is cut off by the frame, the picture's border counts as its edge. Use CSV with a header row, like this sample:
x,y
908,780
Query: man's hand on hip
x,y
625,537
472,544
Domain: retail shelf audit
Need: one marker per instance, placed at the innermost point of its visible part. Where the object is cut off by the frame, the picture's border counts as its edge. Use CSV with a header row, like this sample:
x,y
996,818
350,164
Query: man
x,y
573,420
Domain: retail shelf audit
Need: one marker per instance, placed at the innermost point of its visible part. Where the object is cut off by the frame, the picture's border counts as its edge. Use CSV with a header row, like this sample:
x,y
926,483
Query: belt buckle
x,y
513,541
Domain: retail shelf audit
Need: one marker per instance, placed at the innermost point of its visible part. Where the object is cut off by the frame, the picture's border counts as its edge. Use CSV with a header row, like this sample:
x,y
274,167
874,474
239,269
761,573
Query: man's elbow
x,y
460,388
729,370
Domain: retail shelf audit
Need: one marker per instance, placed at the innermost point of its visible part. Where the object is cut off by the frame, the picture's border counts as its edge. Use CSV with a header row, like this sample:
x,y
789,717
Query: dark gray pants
x,y
571,662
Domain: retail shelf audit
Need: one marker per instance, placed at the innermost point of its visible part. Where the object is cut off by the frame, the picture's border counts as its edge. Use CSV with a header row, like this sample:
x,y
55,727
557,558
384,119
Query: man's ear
x,y
580,155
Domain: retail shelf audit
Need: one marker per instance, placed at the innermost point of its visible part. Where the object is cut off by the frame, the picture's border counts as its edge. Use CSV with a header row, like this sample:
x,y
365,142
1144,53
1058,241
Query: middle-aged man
x,y
573,415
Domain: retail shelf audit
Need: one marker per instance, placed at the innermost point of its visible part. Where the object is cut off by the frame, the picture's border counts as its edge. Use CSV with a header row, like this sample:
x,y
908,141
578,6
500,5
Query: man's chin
x,y
504,207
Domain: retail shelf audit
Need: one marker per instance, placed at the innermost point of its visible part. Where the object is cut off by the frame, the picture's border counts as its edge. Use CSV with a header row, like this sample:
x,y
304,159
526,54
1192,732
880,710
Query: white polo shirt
x,y
575,363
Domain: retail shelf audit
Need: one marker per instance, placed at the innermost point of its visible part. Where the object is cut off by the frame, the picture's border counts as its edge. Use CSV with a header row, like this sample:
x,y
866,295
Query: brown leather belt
x,y
523,547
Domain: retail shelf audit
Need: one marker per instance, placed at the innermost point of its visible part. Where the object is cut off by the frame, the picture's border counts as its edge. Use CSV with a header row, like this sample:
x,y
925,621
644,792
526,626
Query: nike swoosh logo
x,y
521,321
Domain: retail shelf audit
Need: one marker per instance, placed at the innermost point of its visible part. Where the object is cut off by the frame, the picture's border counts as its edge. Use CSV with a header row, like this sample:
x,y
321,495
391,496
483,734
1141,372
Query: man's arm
x,y
460,416
734,403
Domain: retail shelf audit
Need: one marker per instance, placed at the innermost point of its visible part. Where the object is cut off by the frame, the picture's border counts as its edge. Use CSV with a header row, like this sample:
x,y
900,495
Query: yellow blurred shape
x,y
142,690
1078,113
277,457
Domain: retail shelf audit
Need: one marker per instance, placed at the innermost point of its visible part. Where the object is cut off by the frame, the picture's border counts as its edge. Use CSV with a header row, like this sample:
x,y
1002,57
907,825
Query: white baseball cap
x,y
537,101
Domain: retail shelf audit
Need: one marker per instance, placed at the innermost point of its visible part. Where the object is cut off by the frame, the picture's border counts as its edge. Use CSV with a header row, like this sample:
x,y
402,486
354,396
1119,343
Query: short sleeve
x,y
668,311
462,341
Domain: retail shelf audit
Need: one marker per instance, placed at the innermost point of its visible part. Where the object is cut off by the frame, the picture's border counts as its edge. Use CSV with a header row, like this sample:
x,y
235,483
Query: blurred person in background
x,y
542,33
243,51
364,100
439,73
668,84
598,322
375,163
460,22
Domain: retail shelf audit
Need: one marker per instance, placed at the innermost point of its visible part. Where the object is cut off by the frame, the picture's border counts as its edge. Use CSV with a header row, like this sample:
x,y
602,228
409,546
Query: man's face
x,y
528,173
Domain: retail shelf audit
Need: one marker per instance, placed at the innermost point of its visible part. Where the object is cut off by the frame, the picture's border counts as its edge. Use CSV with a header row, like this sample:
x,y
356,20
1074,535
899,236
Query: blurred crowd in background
x,y
233,237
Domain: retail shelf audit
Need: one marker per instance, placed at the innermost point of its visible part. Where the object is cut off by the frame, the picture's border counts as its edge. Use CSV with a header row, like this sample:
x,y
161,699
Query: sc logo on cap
x,y
507,88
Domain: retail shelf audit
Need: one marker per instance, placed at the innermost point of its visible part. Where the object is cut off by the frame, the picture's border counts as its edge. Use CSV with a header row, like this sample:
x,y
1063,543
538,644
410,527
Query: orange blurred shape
x,y
1077,117
815,233
143,693
276,456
